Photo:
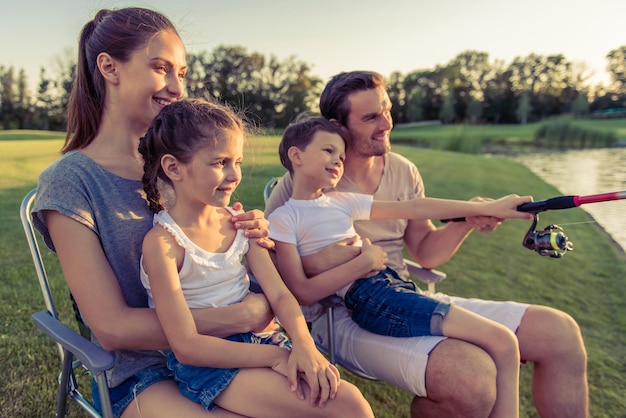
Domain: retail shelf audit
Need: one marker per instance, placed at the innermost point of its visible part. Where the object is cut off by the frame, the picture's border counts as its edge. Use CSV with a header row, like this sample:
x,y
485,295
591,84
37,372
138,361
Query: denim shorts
x,y
387,305
121,396
203,384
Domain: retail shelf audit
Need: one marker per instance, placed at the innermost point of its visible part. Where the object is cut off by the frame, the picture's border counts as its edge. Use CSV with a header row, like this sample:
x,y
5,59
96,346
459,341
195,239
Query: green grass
x,y
24,134
587,283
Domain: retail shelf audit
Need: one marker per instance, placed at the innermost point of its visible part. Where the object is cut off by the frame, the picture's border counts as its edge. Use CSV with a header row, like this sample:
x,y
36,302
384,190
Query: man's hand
x,y
483,223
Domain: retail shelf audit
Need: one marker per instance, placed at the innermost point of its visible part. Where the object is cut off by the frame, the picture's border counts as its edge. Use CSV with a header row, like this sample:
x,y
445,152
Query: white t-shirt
x,y
312,225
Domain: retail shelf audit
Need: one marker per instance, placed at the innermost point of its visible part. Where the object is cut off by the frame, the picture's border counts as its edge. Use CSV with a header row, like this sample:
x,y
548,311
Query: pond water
x,y
587,172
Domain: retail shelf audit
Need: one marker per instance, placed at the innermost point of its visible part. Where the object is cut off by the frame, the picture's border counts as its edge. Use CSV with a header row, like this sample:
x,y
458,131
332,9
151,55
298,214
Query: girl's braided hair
x,y
180,129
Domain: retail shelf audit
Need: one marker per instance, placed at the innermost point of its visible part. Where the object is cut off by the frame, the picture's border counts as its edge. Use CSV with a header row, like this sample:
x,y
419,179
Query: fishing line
x,y
578,223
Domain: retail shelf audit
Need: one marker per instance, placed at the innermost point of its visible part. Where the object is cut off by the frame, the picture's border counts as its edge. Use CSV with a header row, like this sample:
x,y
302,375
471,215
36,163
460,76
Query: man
x,y
450,378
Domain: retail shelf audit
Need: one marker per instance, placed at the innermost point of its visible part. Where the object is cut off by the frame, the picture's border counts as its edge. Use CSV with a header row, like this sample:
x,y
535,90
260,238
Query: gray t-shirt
x,y
115,209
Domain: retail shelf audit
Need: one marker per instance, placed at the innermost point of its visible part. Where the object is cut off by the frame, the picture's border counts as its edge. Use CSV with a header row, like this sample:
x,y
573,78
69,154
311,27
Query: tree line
x,y
470,88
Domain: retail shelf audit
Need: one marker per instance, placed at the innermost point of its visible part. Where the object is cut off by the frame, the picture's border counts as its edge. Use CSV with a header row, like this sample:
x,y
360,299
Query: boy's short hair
x,y
300,133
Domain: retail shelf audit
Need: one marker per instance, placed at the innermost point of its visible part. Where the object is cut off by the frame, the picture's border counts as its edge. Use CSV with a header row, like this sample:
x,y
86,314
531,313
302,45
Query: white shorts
x,y
402,361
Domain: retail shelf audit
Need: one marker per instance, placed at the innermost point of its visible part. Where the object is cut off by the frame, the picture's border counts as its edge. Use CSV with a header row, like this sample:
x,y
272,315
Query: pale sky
x,y
339,35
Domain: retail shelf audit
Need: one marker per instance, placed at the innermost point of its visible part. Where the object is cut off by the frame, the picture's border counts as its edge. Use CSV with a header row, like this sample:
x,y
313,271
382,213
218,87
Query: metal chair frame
x,y
75,351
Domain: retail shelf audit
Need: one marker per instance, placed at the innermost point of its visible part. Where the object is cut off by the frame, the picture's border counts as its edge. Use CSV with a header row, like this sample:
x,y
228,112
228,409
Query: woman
x,y
91,210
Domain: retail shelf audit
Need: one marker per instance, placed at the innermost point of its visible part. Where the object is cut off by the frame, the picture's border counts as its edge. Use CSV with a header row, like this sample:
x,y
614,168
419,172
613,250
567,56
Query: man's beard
x,y
373,149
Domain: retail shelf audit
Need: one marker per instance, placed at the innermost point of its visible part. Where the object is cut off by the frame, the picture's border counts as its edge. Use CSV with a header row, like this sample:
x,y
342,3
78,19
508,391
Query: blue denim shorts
x,y
121,396
387,305
204,384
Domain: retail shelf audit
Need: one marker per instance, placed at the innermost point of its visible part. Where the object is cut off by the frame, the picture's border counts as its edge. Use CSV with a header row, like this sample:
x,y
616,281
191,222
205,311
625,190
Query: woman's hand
x,y
254,225
321,376
259,311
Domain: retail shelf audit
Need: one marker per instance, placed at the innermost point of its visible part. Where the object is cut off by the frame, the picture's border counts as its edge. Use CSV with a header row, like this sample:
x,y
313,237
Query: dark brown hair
x,y
118,33
334,100
181,129
300,133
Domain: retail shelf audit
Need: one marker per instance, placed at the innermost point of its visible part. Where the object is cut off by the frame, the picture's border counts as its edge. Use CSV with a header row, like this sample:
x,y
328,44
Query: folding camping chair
x,y
75,351
428,276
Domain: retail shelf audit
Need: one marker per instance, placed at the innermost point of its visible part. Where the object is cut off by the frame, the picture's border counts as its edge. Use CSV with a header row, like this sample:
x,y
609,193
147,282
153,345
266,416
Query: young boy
x,y
313,150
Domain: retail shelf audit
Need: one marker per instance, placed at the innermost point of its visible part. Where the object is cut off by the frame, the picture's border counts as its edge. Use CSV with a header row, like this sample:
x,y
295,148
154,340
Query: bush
x,y
563,134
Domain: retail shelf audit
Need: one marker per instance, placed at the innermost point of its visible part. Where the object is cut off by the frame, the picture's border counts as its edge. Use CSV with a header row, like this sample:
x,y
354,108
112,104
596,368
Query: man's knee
x,y
550,334
461,377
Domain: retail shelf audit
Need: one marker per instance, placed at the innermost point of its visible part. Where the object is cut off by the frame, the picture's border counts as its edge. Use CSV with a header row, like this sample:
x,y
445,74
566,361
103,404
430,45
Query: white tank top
x,y
207,279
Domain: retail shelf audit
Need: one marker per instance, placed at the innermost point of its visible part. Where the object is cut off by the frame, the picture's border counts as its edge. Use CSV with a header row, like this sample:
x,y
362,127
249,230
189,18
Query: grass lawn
x,y
587,283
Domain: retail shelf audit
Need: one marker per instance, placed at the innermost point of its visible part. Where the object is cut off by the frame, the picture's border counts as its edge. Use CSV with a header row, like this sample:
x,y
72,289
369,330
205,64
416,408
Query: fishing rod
x,y
552,241
566,202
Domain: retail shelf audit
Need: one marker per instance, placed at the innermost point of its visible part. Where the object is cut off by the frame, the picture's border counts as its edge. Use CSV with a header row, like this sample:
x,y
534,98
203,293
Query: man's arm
x,y
431,246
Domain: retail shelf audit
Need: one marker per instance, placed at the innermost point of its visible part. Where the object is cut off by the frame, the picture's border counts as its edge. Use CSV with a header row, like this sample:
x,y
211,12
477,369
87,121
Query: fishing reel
x,y
551,241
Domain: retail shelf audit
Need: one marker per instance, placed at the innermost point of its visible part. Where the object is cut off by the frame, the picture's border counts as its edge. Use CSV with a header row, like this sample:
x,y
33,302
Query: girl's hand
x,y
320,375
254,225
281,366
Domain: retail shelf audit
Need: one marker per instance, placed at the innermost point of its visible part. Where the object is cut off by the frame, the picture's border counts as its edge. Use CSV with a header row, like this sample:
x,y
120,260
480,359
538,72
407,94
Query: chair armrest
x,y
93,357
422,274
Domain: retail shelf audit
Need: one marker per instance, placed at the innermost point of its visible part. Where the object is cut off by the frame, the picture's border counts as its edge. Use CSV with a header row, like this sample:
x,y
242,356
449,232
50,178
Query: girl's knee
x,y
351,402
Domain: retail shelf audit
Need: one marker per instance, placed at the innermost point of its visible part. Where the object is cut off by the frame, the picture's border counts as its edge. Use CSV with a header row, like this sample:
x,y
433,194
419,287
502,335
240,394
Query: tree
x,y
414,110
523,108
8,99
446,114
397,96
270,91
474,110
23,108
288,89
580,106
469,72
616,67
429,84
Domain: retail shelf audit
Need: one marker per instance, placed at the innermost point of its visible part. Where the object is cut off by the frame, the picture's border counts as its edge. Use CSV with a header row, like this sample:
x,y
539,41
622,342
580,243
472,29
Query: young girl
x,y
91,209
192,259
313,151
